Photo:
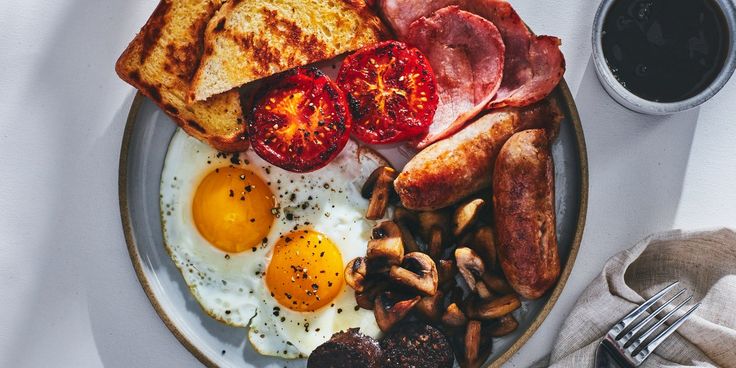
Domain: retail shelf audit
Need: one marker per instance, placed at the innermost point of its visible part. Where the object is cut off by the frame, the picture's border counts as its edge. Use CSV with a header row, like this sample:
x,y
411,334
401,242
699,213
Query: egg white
x,y
231,286
223,283
337,210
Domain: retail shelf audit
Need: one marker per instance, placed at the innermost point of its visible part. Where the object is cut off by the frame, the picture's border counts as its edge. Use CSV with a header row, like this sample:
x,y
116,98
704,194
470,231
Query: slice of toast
x,y
161,61
249,40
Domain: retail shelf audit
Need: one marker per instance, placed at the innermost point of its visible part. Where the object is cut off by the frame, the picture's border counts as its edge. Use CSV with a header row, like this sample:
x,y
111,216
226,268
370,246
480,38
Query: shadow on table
x,y
120,326
637,166
83,284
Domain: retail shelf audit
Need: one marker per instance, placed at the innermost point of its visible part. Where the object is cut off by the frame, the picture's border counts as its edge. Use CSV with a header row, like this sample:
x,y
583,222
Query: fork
x,y
627,344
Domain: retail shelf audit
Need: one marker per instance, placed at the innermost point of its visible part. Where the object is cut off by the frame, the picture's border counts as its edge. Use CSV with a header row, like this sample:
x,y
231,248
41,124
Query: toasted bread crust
x,y
161,61
250,40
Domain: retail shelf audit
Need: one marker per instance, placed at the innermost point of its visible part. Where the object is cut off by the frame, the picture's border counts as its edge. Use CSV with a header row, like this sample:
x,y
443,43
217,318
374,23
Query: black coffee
x,y
665,50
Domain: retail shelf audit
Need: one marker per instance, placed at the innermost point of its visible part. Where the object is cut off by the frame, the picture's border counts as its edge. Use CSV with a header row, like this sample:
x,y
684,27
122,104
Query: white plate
x,y
145,143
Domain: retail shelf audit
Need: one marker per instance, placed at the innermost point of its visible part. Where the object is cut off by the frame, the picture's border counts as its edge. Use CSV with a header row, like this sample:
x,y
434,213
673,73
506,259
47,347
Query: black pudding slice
x,y
416,345
347,349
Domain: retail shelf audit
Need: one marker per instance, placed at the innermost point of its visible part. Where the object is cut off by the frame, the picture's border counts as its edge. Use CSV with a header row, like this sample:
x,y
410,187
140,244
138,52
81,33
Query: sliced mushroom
x,y
385,249
385,229
405,216
469,265
497,284
380,192
482,290
434,245
454,316
472,343
494,308
390,308
483,243
367,190
430,306
473,339
446,272
410,244
418,272
366,299
504,326
433,219
465,215
355,274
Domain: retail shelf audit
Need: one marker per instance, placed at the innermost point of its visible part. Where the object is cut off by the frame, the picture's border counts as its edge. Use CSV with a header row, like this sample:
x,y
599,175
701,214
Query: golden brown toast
x,y
161,61
249,40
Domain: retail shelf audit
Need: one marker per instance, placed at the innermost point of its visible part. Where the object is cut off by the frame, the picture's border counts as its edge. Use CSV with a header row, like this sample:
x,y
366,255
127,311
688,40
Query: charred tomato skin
x,y
391,92
299,120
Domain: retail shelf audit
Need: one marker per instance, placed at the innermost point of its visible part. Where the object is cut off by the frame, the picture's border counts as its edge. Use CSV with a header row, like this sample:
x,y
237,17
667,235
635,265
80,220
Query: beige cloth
x,y
704,262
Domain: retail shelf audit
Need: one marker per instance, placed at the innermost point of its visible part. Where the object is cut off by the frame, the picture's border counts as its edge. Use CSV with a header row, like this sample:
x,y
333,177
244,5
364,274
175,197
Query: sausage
x,y
524,213
449,170
347,349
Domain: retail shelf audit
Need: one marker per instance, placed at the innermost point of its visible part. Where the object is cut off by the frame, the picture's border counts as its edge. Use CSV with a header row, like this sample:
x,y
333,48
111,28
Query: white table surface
x,y
68,293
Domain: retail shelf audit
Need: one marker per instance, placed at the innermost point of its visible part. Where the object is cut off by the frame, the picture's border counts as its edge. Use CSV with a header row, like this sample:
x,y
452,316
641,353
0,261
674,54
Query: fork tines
x,y
632,340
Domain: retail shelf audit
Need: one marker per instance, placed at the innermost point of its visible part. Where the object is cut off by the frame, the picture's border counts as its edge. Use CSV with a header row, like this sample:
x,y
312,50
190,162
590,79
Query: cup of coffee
x,y
664,56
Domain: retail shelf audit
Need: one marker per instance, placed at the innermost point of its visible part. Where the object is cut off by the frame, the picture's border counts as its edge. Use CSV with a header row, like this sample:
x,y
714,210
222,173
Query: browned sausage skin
x,y
524,213
450,170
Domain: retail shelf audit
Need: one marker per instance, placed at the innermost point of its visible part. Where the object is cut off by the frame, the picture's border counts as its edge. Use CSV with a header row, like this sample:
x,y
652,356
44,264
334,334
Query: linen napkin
x,y
705,264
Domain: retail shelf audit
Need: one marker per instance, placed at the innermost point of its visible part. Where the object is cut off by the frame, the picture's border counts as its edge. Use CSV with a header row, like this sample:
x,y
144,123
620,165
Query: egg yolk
x,y
232,209
305,272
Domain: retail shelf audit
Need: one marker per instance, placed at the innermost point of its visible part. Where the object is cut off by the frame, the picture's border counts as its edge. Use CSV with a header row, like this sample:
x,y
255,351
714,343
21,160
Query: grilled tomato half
x,y
300,122
391,90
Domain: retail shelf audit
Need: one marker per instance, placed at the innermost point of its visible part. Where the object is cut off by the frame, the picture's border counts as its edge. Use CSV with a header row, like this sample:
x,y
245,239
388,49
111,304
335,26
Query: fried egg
x,y
264,248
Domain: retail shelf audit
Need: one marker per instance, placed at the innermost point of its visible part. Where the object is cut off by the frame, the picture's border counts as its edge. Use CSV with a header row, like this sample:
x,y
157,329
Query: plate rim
x,y
137,261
